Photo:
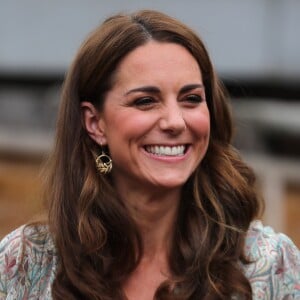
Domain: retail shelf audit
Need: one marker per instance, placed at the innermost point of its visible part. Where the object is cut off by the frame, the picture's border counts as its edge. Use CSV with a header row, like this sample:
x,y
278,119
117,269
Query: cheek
x,y
127,126
200,124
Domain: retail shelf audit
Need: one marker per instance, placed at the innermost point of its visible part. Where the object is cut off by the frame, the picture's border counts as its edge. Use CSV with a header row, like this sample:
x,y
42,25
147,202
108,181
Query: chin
x,y
171,183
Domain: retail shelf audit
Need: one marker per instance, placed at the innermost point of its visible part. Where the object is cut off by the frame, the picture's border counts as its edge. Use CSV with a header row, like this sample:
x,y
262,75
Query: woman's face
x,y
155,119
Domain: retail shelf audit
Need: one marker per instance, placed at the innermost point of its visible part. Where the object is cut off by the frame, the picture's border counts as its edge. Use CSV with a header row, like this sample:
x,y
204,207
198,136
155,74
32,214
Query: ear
x,y
93,123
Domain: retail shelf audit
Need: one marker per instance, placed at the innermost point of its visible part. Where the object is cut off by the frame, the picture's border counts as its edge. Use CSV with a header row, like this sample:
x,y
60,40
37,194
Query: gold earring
x,y
103,163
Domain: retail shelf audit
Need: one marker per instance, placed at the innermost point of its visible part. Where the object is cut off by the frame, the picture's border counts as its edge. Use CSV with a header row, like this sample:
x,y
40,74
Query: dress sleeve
x,y
10,248
27,264
288,269
274,271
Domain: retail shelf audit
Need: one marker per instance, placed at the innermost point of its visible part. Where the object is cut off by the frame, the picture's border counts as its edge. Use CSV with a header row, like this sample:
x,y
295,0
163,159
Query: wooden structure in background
x,y
20,199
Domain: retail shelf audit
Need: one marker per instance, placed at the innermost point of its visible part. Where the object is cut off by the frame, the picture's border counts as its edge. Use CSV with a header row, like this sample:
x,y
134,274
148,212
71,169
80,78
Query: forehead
x,y
155,60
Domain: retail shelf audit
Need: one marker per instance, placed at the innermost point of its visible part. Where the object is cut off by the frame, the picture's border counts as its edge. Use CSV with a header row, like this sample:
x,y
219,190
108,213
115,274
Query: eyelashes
x,y
194,98
144,101
149,101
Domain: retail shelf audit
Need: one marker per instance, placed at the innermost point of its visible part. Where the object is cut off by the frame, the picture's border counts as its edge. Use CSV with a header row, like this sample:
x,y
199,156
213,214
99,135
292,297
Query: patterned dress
x,y
28,263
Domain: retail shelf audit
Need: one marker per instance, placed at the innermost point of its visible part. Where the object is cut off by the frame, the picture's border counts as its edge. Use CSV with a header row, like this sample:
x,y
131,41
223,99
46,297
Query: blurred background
x,y
254,45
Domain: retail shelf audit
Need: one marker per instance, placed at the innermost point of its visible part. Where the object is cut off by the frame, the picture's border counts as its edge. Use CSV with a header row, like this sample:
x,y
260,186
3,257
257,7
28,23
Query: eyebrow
x,y
155,90
190,87
147,89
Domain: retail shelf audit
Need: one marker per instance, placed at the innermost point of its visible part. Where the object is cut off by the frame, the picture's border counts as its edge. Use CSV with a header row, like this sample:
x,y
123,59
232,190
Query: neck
x,y
155,215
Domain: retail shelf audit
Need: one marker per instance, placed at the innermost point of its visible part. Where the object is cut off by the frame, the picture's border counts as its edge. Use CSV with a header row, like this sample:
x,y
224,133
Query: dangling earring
x,y
103,163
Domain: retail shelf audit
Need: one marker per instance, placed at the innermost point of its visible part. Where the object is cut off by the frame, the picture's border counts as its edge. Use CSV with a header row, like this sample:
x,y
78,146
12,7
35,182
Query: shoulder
x,y
32,236
27,262
274,271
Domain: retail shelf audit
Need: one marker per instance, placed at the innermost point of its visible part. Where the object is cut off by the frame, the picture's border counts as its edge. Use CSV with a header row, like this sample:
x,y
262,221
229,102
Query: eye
x,y
193,98
144,102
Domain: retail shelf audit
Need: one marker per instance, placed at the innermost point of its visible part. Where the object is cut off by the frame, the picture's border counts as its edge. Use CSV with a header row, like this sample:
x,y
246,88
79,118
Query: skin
x,y
158,99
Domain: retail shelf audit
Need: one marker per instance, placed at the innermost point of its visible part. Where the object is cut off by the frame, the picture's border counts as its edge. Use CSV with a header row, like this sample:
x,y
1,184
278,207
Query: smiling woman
x,y
147,198
158,97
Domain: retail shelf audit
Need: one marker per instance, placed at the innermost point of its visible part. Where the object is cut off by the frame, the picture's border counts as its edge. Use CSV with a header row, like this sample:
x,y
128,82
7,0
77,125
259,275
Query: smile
x,y
167,150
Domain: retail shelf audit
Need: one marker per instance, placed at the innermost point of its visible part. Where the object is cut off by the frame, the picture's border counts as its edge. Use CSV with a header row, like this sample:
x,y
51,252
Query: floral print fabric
x,y
275,271
28,263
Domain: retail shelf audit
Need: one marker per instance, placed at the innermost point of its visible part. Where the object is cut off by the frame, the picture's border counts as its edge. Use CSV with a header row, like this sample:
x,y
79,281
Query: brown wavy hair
x,y
96,239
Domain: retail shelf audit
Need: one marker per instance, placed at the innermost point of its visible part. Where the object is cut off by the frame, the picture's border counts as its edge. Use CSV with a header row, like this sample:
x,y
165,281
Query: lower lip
x,y
168,158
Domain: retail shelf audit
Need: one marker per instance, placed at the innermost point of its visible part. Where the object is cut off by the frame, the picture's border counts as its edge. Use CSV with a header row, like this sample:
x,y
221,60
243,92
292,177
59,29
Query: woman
x,y
147,198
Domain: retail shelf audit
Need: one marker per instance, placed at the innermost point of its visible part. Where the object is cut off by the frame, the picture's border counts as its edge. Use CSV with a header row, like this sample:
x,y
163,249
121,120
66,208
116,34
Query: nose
x,y
172,120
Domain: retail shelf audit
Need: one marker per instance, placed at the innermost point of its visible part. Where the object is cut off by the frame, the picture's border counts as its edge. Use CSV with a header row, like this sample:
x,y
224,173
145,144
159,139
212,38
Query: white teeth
x,y
166,150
